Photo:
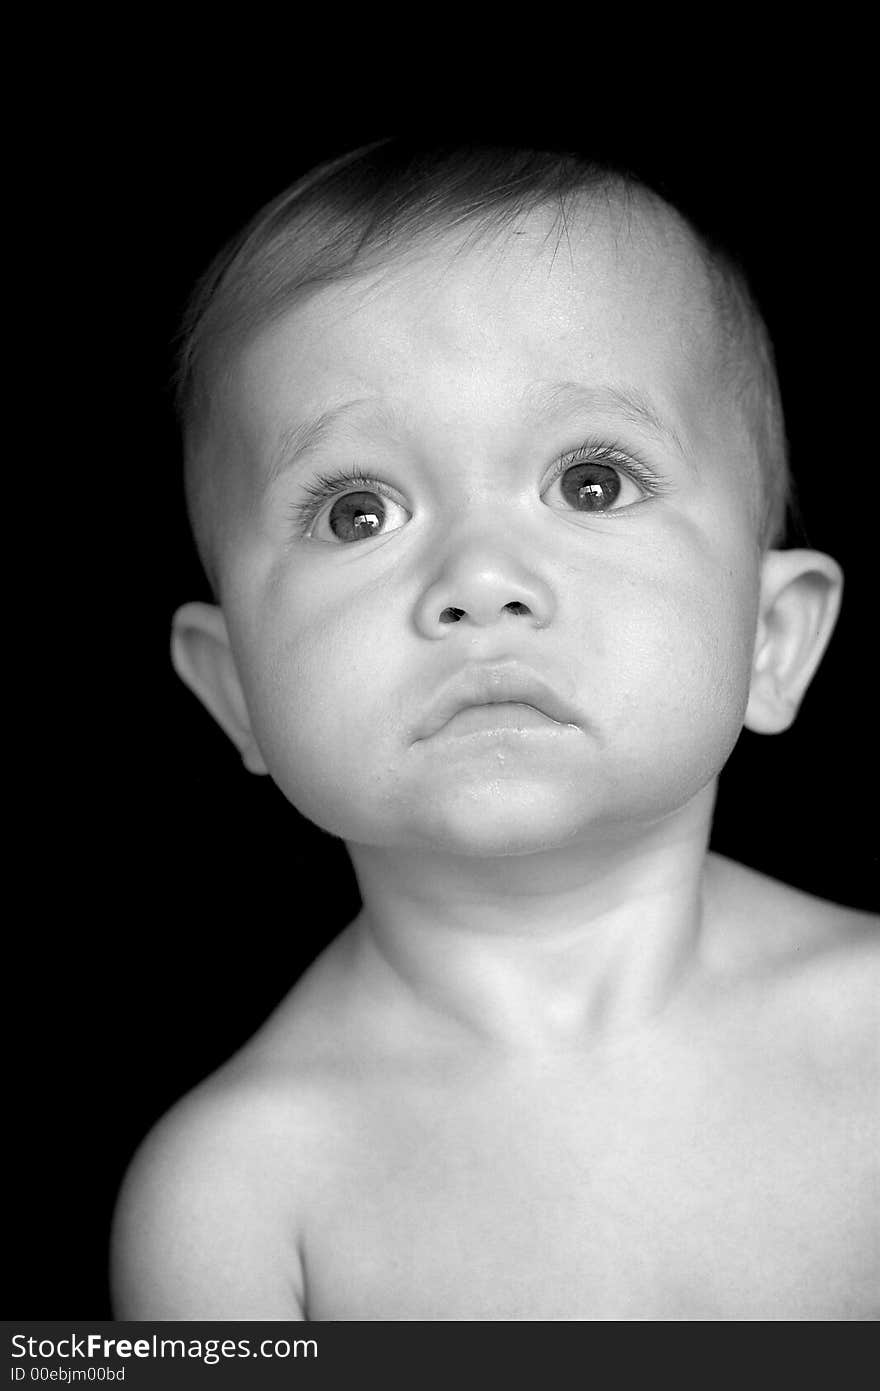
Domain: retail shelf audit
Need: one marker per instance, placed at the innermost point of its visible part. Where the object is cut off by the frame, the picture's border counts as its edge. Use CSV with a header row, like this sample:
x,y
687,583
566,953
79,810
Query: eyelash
x,y
592,452
327,486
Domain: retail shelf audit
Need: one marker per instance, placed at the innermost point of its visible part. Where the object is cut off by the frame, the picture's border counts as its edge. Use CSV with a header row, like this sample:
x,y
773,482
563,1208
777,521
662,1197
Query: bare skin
x,y
564,1065
717,1161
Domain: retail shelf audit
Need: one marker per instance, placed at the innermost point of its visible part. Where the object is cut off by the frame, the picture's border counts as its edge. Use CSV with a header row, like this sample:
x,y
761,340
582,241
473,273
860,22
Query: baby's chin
x,y
481,821
480,808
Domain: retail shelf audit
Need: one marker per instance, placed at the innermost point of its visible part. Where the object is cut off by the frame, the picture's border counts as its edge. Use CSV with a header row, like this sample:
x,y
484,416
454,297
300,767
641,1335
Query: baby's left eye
x,y
593,485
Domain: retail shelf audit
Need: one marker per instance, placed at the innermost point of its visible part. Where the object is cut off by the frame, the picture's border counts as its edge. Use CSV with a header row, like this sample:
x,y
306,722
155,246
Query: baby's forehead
x,y
603,287
626,245
614,287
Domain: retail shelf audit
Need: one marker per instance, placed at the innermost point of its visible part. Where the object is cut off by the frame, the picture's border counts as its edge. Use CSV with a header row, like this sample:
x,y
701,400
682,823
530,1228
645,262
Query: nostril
x,y
516,608
451,615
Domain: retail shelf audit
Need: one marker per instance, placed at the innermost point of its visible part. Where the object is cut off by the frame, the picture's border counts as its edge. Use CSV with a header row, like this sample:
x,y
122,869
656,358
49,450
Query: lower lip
x,y
503,718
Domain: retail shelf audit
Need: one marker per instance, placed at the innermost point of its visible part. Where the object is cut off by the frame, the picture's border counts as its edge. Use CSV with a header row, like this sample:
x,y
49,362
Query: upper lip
x,y
490,684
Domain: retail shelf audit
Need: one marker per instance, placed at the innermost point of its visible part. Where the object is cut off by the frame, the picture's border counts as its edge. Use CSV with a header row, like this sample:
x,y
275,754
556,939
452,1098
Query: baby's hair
x,y
366,208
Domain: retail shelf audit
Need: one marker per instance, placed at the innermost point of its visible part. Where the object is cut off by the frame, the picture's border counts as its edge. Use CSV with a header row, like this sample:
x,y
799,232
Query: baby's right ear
x,y
202,657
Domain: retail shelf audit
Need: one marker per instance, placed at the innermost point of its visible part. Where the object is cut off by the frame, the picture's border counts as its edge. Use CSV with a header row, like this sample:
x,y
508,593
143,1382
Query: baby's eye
x,y
358,516
598,485
365,510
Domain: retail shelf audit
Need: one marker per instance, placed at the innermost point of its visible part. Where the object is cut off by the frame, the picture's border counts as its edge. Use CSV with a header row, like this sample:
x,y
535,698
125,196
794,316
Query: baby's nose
x,y
481,589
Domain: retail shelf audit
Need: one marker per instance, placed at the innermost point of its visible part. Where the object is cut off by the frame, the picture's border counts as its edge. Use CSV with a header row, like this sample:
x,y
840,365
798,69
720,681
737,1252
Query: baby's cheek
x,y
703,622
709,588
323,710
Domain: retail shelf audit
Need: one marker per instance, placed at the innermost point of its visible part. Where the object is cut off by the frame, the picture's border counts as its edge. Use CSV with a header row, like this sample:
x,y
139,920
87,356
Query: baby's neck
x,y
541,950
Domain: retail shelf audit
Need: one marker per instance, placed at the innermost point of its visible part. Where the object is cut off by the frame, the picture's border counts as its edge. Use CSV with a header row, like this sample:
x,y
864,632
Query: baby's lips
x,y
487,684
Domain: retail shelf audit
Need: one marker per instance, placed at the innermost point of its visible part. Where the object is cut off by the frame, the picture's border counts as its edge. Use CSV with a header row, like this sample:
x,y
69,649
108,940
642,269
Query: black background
x,y
168,899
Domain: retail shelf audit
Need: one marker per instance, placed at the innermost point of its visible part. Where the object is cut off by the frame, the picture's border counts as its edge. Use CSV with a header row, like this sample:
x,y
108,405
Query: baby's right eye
x,y
358,516
346,508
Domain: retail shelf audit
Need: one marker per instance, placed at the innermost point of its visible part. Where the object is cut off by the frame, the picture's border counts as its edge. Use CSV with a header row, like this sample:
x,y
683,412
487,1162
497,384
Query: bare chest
x,y
556,1203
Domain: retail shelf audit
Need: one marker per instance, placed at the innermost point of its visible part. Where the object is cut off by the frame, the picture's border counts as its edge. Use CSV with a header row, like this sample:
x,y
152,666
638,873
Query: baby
x,y
486,465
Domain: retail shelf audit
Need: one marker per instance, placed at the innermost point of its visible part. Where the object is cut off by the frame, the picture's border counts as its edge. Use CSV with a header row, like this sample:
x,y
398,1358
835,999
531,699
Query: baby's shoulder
x,y
811,959
759,916
195,1229
834,989
208,1219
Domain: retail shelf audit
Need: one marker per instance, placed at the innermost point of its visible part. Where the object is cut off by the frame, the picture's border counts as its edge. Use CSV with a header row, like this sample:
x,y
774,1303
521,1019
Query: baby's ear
x,y
800,600
202,657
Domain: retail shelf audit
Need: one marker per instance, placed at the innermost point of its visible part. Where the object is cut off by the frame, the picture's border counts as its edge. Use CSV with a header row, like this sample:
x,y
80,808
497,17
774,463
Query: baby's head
x,y
460,418
390,203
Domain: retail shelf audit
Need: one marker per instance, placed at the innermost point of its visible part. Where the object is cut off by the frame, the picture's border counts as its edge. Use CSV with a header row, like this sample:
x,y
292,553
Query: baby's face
x,y
545,484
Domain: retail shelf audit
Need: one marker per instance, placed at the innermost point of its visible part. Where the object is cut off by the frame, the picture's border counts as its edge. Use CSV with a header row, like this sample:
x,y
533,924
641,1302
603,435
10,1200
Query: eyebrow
x,y
541,399
549,398
303,437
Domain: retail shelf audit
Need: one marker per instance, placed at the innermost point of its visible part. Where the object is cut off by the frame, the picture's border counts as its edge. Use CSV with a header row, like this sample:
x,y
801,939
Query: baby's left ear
x,y
800,600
